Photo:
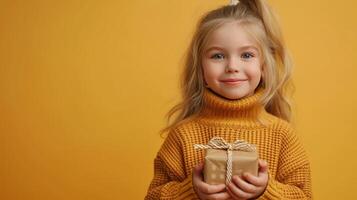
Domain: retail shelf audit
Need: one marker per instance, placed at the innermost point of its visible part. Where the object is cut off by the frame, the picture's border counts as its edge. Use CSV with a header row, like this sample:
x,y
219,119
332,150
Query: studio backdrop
x,y
85,86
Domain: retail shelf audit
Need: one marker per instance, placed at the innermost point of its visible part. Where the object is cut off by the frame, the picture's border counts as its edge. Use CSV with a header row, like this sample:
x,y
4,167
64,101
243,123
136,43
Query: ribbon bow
x,y
220,143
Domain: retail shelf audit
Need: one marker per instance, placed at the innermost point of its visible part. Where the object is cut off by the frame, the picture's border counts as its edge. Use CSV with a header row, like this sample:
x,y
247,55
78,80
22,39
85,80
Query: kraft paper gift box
x,y
244,158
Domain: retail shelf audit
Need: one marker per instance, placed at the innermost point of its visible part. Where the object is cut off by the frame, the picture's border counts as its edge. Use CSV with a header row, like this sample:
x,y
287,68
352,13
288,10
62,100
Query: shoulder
x,y
176,134
184,128
289,138
279,123
281,128
182,136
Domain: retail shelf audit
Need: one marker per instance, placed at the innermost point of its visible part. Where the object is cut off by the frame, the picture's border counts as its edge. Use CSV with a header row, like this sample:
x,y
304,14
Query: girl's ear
x,y
205,83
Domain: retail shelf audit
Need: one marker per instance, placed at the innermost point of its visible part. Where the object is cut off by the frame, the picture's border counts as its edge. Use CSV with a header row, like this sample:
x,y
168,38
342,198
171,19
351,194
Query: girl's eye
x,y
217,56
247,55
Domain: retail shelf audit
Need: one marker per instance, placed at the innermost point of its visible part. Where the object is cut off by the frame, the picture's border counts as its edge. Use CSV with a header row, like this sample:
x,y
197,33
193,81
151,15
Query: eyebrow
x,y
240,48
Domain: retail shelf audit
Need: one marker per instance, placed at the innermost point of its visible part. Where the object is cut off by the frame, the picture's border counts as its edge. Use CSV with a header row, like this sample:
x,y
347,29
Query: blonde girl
x,y
234,86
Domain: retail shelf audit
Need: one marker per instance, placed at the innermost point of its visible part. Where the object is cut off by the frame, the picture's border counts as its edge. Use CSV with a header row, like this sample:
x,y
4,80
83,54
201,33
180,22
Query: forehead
x,y
230,36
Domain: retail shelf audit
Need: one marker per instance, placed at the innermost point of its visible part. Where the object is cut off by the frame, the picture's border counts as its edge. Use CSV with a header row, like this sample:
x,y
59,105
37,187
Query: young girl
x,y
234,86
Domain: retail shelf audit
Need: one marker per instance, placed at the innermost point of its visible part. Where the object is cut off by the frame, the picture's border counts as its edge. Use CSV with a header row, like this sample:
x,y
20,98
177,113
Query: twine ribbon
x,y
220,143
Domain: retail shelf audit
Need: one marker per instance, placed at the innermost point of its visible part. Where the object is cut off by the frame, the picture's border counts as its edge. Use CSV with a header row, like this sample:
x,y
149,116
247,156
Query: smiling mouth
x,y
233,81
236,82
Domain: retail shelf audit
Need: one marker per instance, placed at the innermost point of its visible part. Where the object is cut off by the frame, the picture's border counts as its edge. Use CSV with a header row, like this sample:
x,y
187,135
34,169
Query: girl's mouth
x,y
233,82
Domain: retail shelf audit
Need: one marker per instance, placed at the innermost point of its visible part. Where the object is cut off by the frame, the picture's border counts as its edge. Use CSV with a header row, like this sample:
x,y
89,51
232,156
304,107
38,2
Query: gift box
x,y
223,160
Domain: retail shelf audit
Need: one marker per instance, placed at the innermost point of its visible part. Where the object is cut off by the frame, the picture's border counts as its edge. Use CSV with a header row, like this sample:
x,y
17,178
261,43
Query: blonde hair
x,y
258,19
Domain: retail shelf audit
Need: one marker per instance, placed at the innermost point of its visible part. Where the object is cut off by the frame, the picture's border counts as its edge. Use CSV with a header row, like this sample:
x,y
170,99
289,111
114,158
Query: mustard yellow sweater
x,y
277,143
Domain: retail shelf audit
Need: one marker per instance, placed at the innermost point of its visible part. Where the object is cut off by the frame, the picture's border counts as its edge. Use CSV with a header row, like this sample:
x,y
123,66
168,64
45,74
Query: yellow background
x,y
85,85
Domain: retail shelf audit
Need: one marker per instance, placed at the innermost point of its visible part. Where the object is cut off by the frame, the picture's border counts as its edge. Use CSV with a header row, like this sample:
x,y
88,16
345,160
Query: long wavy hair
x,y
258,19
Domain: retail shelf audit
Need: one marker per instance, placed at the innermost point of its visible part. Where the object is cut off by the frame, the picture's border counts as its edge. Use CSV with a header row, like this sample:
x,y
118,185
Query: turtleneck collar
x,y
242,112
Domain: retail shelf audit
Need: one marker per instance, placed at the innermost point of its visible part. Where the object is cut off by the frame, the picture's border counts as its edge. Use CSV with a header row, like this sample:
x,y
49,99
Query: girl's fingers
x,y
197,171
255,180
262,177
204,187
210,189
200,185
237,193
243,185
233,196
221,196
263,166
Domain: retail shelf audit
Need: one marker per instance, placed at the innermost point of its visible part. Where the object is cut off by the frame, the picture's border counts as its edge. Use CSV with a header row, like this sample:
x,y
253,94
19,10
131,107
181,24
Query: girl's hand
x,y
205,191
250,186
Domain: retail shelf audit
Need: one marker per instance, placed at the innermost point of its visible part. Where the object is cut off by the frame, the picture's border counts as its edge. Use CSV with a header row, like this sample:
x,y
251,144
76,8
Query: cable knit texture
x,y
276,141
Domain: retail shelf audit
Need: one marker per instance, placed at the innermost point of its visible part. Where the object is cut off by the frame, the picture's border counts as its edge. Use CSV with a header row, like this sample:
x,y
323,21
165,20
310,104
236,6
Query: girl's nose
x,y
232,65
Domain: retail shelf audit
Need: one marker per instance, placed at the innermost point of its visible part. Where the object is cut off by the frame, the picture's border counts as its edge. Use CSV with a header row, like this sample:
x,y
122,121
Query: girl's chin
x,y
234,96
231,96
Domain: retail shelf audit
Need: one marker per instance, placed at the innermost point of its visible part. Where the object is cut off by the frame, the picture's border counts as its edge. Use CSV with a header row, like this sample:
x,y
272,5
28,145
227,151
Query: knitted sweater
x,y
276,141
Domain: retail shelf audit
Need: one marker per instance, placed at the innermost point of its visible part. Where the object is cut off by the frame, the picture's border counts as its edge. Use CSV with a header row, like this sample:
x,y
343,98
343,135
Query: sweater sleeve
x,y
293,176
170,181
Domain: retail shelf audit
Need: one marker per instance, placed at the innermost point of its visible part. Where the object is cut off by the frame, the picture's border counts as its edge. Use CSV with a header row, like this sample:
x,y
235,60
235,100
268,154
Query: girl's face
x,y
232,62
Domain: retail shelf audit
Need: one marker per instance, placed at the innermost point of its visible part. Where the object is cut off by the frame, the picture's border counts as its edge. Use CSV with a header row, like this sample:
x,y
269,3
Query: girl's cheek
x,y
254,68
205,62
